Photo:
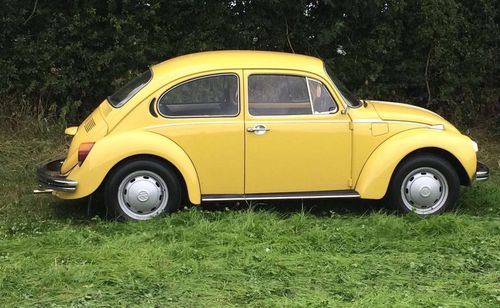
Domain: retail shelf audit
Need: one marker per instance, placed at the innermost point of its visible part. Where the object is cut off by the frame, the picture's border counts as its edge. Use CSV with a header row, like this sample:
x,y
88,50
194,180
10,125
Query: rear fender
x,y
112,149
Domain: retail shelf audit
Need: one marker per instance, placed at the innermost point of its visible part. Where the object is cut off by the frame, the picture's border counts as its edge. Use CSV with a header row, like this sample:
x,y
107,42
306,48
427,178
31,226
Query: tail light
x,y
83,151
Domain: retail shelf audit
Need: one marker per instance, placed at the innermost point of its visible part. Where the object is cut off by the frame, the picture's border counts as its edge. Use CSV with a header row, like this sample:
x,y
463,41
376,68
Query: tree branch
x,y
32,12
288,36
429,98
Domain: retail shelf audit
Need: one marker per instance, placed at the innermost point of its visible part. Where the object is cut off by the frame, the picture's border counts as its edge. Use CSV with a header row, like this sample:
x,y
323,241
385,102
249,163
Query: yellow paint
x,y
216,155
93,128
112,149
377,171
299,153
71,131
379,129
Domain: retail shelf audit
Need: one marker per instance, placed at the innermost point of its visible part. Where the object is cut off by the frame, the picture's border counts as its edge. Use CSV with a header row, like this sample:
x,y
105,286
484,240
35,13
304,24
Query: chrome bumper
x,y
482,172
50,178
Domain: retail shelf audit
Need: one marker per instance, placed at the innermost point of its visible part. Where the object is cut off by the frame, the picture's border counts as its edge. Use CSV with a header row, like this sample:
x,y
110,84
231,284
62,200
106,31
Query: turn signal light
x,y
83,151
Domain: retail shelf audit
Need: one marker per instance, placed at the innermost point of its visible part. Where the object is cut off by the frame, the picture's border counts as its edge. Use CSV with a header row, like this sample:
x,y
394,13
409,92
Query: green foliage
x,y
439,54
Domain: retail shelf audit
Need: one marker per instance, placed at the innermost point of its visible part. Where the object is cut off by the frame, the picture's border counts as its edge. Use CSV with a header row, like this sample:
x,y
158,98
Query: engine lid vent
x,y
89,124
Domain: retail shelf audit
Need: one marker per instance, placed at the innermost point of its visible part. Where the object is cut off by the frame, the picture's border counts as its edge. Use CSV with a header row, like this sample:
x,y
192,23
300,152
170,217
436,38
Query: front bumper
x,y
50,178
482,172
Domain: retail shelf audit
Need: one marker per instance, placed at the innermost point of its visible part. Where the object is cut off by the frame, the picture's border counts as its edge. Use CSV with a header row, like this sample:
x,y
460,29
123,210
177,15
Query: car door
x,y
296,138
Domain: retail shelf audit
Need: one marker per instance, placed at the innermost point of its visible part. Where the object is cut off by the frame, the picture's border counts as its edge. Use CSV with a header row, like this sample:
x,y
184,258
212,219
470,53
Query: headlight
x,y
474,146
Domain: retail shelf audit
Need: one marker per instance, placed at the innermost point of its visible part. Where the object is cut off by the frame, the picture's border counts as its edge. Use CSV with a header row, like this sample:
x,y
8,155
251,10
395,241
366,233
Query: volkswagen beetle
x,y
250,125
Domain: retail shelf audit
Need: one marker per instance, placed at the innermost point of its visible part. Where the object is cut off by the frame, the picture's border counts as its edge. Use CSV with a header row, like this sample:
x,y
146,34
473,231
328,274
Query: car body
x,y
246,125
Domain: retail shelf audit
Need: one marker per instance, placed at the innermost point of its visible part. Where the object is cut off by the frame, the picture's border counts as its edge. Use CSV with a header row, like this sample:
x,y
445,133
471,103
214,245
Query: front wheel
x,y
142,189
425,184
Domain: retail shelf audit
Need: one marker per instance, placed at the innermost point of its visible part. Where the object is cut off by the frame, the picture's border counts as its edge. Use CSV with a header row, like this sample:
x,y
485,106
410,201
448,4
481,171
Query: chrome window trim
x,y
308,92
277,115
201,116
309,95
328,91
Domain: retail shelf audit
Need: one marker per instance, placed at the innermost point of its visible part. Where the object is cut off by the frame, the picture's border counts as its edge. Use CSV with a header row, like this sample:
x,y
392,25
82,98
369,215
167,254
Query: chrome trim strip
x,y
42,191
437,126
386,121
221,199
298,121
309,95
285,196
202,116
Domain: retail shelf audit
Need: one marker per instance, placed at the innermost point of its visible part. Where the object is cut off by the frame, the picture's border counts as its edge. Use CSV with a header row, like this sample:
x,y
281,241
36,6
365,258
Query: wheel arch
x,y
376,174
104,157
163,161
455,163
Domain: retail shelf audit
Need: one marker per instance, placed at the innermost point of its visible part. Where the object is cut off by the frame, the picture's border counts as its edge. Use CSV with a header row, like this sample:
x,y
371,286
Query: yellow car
x,y
251,125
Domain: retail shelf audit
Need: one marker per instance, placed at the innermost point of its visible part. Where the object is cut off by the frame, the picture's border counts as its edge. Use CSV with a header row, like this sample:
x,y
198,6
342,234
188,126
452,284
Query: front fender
x,y
110,150
376,174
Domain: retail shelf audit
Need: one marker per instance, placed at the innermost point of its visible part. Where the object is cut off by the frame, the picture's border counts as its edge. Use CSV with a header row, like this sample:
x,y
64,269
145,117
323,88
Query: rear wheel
x,y
425,184
142,189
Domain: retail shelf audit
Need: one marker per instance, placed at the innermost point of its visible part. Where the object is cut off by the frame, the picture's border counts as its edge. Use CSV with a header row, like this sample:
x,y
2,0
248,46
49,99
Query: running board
x,y
282,196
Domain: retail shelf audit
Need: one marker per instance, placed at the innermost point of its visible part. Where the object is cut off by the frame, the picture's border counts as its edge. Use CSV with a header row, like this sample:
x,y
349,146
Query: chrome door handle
x,y
258,129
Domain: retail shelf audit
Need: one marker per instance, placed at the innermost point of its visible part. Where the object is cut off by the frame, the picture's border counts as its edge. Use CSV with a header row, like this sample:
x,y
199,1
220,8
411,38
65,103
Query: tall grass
x,y
319,253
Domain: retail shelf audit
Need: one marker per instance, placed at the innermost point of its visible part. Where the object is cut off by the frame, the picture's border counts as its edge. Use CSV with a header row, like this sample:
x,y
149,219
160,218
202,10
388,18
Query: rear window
x,y
122,96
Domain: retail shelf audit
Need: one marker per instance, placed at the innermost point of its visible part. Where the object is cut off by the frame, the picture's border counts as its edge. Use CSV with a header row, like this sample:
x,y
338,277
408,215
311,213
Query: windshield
x,y
351,99
120,97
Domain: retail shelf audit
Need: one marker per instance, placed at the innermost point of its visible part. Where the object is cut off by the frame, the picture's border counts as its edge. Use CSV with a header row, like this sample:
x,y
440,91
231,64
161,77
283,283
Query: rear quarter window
x,y
209,96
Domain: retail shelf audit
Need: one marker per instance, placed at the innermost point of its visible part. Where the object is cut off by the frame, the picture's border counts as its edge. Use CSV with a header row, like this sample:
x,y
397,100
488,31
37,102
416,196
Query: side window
x,y
321,99
210,96
278,95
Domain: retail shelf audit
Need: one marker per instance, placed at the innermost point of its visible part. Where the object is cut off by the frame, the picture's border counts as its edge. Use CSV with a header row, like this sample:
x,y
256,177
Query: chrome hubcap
x,y
424,190
143,194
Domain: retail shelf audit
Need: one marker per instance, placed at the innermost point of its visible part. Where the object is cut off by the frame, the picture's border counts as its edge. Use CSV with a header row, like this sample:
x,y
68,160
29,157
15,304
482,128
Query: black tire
x,y
420,179
160,191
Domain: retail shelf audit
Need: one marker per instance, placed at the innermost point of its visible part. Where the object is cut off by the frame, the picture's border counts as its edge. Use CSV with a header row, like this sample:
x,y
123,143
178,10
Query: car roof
x,y
234,59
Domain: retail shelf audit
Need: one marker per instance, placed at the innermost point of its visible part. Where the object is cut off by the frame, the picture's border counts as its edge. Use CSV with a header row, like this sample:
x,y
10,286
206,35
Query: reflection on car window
x,y
278,95
321,98
215,95
120,97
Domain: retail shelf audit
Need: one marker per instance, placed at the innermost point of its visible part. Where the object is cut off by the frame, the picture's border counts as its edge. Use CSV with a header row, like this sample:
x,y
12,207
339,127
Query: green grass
x,y
283,254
